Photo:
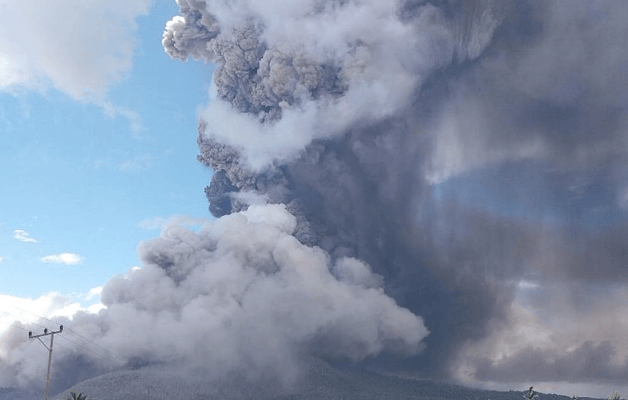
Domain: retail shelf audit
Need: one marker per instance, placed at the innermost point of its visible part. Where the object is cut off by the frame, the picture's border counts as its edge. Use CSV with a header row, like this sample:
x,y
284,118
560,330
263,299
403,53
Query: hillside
x,y
322,381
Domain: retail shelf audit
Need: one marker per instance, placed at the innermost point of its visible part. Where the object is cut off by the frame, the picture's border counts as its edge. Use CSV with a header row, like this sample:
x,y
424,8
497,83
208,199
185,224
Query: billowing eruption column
x,y
349,112
317,106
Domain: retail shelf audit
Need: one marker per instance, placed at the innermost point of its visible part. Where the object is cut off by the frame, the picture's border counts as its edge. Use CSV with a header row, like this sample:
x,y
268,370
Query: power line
x,y
65,347
82,346
52,337
96,344
31,313
18,326
18,318
106,355
110,354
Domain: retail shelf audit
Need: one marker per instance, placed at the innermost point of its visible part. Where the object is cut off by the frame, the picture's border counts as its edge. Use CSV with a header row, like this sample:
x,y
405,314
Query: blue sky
x,y
82,187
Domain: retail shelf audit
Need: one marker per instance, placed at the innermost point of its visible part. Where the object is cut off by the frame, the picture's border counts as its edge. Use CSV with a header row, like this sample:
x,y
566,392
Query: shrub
x,y
615,396
77,396
531,394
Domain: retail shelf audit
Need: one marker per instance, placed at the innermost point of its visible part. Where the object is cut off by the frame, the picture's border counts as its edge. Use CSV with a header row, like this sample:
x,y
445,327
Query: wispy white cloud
x,y
94,292
139,163
63,258
40,50
126,162
1,258
142,162
135,121
151,224
23,236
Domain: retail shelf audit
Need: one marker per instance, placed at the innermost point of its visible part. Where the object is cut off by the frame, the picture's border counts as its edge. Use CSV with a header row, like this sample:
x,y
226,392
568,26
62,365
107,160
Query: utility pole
x,y
52,337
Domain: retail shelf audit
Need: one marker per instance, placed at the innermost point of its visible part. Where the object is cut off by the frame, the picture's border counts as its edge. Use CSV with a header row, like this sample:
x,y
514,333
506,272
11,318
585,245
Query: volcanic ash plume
x,y
351,112
293,71
241,295
315,107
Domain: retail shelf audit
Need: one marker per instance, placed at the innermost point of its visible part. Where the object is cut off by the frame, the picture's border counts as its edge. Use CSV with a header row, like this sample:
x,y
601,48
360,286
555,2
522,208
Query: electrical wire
x,y
108,354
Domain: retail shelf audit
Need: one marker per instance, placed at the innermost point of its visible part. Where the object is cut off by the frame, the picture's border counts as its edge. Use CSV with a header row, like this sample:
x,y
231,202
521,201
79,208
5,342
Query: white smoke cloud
x,y
160,223
325,66
28,311
462,145
243,294
23,236
18,316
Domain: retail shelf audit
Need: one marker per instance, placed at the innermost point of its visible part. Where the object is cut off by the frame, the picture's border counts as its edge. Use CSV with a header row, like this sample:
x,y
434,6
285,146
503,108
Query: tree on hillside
x,y
531,394
615,396
77,396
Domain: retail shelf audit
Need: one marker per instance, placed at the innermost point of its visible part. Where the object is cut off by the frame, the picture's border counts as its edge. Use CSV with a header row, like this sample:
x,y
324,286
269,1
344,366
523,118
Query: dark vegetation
x,y
322,382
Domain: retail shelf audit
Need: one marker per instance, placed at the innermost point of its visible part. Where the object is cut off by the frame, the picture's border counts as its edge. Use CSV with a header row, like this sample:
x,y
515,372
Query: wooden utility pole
x,y
52,337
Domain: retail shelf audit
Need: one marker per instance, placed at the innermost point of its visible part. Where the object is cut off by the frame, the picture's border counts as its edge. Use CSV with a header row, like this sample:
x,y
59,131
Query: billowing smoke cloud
x,y
357,114
241,295
291,72
320,115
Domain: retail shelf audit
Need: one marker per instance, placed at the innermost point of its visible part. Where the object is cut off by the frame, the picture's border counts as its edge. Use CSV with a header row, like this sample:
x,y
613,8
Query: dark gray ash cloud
x,y
527,93
589,362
